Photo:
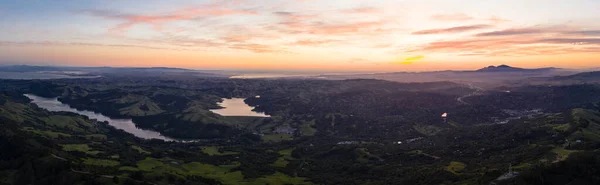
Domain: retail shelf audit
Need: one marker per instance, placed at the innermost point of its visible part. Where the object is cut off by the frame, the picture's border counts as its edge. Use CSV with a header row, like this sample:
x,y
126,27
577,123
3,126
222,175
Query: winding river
x,y
52,104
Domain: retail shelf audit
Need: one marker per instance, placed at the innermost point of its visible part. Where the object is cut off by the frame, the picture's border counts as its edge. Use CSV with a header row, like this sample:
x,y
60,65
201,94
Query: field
x,y
79,148
456,167
221,173
100,162
562,153
285,155
276,137
213,150
46,133
139,149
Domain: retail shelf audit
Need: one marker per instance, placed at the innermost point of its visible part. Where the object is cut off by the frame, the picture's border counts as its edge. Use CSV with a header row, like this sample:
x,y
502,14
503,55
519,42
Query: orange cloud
x,y
258,48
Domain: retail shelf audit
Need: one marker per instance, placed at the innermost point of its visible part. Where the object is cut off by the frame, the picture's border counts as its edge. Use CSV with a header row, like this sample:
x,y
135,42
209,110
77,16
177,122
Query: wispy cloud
x,y
497,20
382,45
318,24
357,60
344,28
157,20
54,43
315,42
258,48
519,42
510,32
361,10
585,33
452,17
457,29
573,41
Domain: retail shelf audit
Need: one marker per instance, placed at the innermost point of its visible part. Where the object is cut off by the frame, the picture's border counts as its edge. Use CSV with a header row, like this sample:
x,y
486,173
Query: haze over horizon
x,y
356,35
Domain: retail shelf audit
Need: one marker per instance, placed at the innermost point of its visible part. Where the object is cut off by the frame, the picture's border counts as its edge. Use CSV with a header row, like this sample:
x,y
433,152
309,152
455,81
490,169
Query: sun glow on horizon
x,y
355,35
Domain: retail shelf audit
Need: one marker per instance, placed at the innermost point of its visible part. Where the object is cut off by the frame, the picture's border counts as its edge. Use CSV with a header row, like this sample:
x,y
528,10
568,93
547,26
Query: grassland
x,y
46,133
213,150
115,158
429,130
562,153
283,160
276,137
561,127
364,156
100,162
96,137
139,106
456,167
221,173
587,125
415,152
139,149
79,148
307,128
76,147
522,166
76,124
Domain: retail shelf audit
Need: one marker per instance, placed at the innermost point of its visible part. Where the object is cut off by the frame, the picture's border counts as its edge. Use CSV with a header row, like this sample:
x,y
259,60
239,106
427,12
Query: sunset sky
x,y
353,35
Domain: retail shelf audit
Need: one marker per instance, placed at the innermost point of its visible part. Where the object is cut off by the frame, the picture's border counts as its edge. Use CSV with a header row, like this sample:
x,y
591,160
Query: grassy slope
x,y
86,132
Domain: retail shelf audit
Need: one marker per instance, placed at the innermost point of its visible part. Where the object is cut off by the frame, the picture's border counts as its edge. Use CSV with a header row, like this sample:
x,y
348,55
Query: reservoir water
x,y
237,107
52,104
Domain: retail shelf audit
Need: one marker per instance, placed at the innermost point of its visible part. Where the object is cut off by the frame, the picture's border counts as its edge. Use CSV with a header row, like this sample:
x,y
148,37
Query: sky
x,y
335,35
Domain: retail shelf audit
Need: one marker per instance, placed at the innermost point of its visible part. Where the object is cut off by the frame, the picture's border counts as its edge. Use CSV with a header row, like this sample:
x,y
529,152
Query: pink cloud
x,y
518,42
457,29
158,20
362,10
296,23
310,42
331,29
510,32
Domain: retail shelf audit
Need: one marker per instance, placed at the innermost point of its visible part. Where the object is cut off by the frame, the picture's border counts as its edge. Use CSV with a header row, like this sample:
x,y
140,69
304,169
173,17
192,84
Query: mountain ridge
x,y
507,68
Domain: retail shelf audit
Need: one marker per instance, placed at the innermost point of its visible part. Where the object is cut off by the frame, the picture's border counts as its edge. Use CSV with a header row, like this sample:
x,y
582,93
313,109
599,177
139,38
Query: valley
x,y
176,130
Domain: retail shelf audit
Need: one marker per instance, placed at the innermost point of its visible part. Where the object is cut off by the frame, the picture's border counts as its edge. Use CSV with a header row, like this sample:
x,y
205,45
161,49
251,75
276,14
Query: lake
x,y
52,104
237,107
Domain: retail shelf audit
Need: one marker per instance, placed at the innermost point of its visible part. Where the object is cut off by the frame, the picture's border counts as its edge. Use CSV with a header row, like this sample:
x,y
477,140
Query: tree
x,y
115,179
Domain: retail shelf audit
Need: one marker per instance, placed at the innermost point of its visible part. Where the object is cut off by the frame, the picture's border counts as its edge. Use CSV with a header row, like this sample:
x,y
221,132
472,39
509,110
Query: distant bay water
x,y
38,75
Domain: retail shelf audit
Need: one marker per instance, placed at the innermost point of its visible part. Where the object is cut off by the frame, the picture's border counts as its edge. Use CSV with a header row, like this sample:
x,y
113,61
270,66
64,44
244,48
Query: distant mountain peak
x,y
507,68
502,67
